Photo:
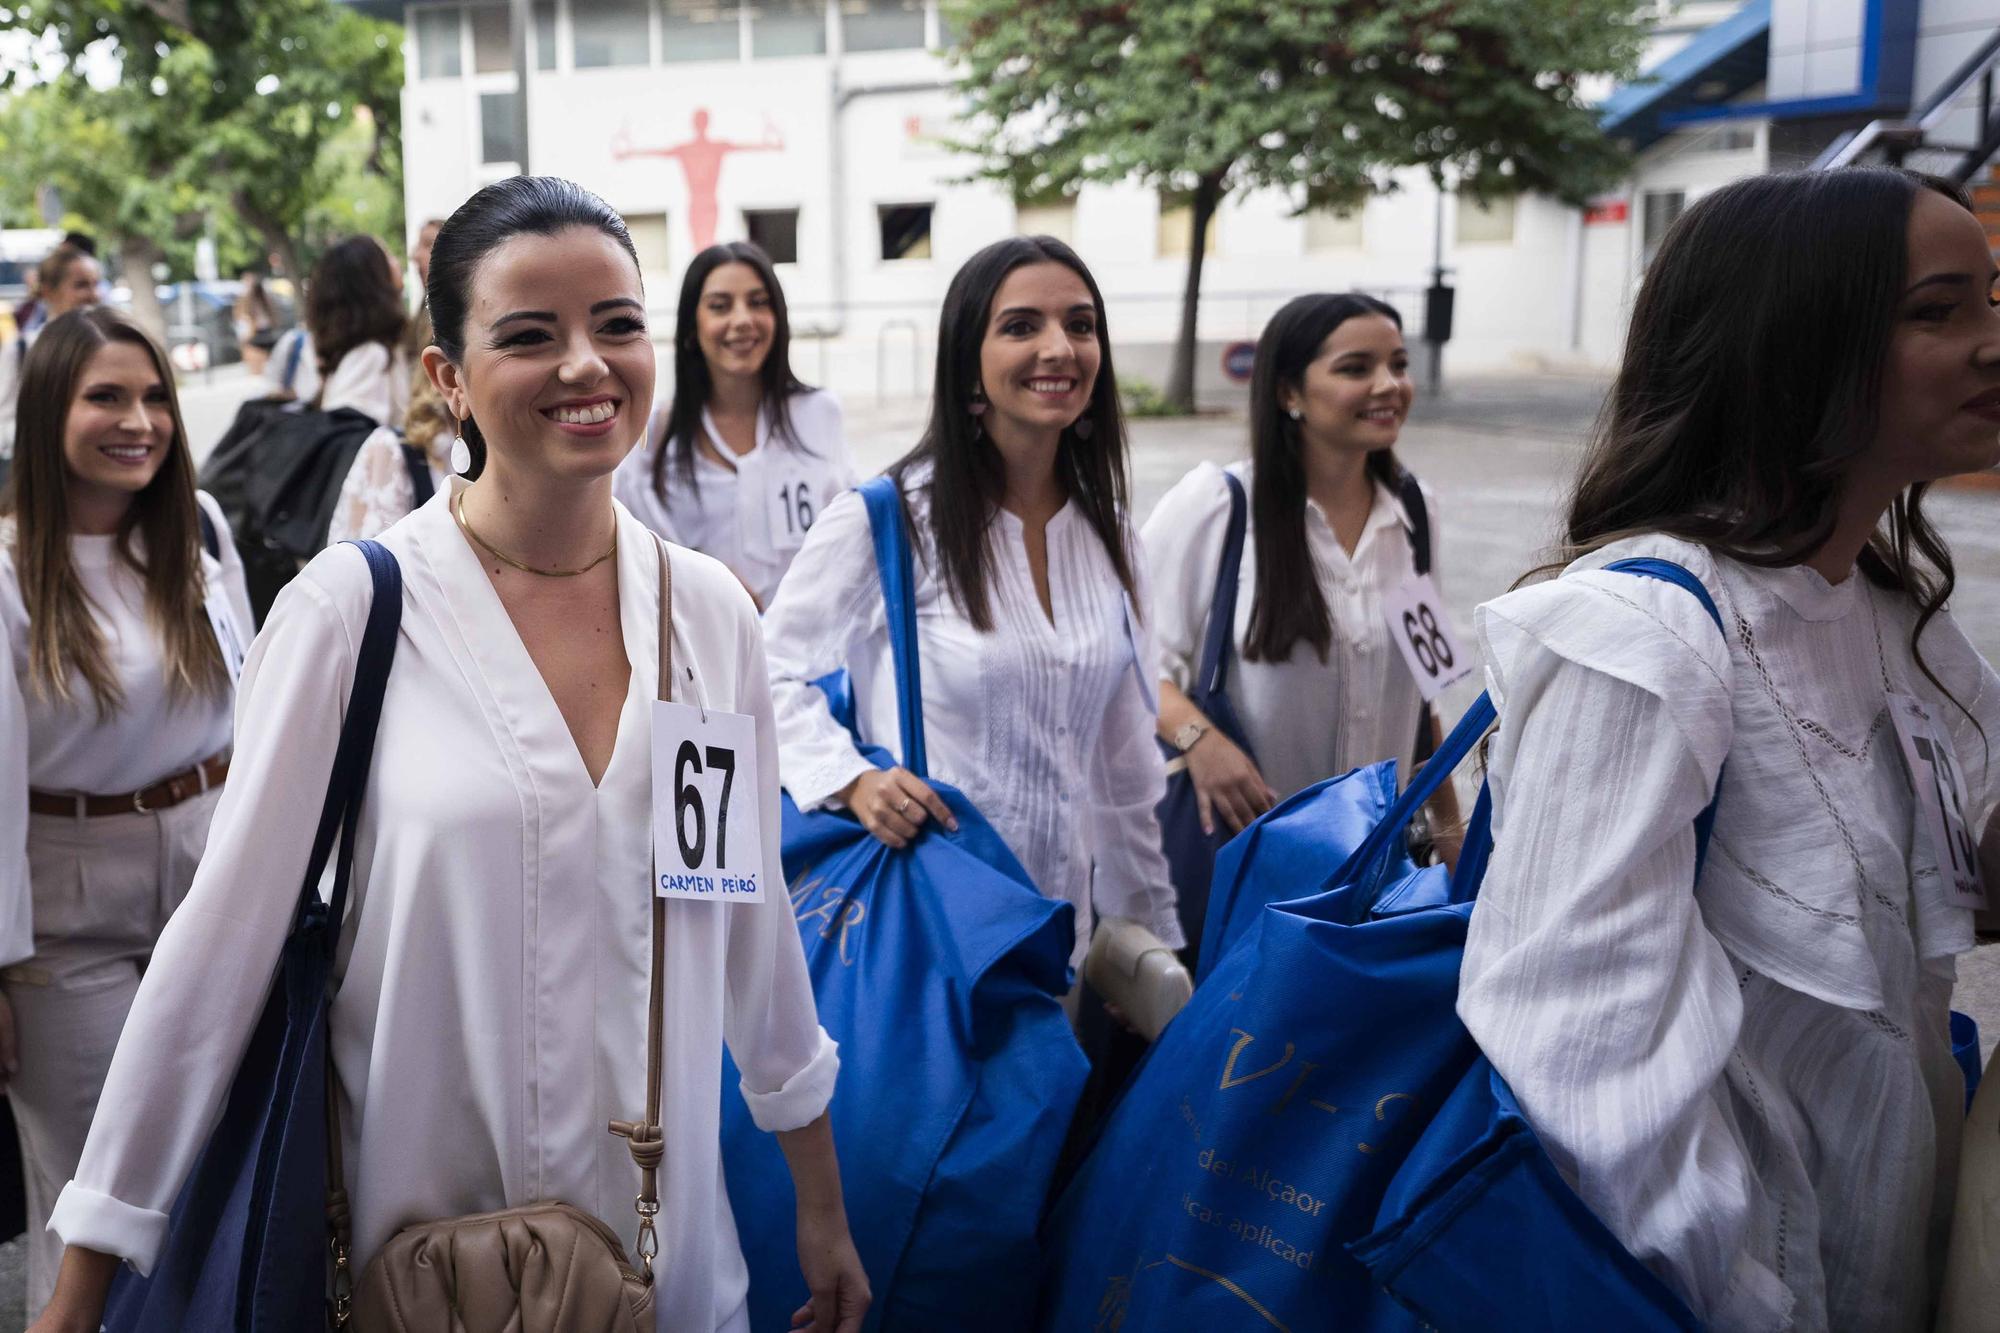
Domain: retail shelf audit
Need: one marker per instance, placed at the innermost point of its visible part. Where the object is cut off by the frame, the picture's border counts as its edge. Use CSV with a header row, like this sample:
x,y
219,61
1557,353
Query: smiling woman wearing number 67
x,y
508,980
744,457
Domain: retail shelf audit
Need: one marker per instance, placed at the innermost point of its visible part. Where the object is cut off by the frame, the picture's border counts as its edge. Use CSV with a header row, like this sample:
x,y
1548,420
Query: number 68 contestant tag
x,y
707,842
1420,628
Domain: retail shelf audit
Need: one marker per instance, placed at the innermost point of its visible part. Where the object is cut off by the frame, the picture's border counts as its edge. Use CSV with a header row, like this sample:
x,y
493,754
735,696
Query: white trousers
x,y
103,889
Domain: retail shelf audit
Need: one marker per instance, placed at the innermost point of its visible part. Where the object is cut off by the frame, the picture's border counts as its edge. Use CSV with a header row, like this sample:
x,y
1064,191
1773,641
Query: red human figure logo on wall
x,y
701,164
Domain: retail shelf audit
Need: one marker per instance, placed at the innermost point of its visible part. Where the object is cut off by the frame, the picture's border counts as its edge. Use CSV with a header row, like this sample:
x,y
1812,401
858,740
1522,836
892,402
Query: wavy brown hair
x,y
352,300
64,642
1752,380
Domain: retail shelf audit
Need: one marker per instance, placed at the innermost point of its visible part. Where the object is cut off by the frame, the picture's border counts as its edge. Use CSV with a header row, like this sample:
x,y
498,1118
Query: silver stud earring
x,y
1295,414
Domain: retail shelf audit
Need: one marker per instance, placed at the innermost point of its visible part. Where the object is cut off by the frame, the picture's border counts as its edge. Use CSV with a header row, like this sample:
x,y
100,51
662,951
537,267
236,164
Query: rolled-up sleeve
x,y
209,975
829,603
1589,977
787,1061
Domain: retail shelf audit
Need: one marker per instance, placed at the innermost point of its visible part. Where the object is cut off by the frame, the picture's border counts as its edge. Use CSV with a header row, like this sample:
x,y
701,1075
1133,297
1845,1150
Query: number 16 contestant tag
x,y
707,842
1418,624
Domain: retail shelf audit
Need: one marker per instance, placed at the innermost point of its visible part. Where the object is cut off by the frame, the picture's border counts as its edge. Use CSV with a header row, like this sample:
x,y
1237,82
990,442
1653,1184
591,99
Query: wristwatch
x,y
1189,732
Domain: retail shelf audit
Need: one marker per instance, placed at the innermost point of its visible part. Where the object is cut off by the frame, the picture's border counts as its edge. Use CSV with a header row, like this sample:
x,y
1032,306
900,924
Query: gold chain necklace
x,y
458,512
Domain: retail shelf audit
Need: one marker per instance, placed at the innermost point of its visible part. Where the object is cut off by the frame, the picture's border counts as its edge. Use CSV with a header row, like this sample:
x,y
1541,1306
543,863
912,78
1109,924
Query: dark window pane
x,y
497,139
906,230
1661,207
882,25
610,32
492,40
699,30
776,230
545,34
438,55
788,28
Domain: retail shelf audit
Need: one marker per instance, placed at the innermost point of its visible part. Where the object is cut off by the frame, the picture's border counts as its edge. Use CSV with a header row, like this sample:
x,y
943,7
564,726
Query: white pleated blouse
x,y
493,973
1306,719
1046,727
733,510
56,745
1749,1079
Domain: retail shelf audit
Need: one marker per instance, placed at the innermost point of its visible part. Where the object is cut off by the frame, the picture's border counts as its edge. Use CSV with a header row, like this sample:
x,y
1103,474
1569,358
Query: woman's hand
x,y
1226,782
81,1284
832,1268
893,805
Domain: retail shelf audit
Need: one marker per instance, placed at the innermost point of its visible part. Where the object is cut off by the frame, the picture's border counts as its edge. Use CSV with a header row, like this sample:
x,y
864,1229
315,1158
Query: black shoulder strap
x,y
421,485
211,540
1419,516
1221,633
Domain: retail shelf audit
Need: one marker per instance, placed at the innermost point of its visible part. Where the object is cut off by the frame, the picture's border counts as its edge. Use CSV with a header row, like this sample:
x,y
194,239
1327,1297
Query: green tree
x,y
1323,99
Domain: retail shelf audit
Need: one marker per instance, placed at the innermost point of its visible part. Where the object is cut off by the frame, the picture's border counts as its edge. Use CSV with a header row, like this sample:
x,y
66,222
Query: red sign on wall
x,y
1604,212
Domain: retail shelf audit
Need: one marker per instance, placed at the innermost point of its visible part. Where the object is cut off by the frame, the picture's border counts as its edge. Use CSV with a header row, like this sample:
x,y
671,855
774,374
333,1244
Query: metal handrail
x,y
1845,152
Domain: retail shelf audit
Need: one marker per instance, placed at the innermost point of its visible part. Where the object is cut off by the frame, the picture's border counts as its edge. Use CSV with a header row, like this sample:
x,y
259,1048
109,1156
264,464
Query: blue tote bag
x,y
247,1242
1293,1104
938,968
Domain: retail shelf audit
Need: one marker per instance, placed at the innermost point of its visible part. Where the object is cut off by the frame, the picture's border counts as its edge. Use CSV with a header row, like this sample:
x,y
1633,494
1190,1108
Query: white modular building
x,y
822,130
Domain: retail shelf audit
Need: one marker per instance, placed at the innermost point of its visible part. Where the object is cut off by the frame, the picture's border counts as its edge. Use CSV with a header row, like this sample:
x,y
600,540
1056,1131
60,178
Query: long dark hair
x,y
1752,380
530,205
692,382
1288,605
64,643
967,478
352,300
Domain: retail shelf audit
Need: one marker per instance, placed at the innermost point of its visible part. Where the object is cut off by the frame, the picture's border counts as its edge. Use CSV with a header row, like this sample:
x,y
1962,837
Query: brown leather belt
x,y
167,792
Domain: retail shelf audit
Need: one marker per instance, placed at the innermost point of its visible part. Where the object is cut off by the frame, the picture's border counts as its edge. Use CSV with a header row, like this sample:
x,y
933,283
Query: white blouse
x,y
1749,1078
52,745
378,491
491,1013
1046,727
373,380
753,516
1306,719
13,356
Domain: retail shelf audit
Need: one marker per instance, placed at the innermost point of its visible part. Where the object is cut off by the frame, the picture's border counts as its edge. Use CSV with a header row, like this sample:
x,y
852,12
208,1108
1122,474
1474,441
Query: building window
x,y
438,56
700,30
788,28
906,230
1176,230
1488,223
649,240
1333,229
882,25
775,231
1659,208
492,40
1057,219
498,140
545,34
610,32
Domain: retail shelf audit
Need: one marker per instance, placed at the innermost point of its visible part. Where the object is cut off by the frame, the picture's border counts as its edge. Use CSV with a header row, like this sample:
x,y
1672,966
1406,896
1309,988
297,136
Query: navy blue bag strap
x,y
421,485
1221,632
341,810
211,540
292,357
897,570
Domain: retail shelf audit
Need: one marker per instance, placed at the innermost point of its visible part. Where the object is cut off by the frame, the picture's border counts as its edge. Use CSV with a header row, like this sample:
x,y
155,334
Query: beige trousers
x,y
103,889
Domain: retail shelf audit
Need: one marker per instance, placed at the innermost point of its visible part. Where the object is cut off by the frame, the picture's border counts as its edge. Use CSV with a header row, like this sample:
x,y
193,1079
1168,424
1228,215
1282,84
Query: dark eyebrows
x,y
1941,280
617,303
1080,308
545,316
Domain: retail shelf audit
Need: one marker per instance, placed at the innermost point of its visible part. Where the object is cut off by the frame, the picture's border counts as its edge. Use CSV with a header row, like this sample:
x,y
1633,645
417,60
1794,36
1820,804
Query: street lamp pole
x,y
523,26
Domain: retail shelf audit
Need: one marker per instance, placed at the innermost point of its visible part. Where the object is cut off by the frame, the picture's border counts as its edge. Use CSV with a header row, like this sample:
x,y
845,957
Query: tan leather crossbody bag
x,y
542,1268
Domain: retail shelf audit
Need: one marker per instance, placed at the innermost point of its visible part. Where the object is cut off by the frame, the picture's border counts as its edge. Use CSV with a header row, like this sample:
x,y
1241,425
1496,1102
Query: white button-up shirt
x,y
1046,727
1306,719
751,513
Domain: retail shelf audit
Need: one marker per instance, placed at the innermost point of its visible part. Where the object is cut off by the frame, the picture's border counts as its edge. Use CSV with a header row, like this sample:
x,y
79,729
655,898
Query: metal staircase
x,y
1955,134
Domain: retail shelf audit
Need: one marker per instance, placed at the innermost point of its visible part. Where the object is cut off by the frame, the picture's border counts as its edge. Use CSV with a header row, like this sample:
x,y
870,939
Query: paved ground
x,y
1498,453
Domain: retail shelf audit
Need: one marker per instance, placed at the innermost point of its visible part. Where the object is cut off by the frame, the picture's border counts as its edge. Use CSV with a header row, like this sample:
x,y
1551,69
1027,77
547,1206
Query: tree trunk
x,y
1180,378
279,245
137,255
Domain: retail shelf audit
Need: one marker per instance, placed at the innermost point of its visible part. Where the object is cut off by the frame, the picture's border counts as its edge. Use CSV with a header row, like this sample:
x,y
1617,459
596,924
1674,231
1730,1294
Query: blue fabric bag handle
x,y
246,1244
1220,638
897,568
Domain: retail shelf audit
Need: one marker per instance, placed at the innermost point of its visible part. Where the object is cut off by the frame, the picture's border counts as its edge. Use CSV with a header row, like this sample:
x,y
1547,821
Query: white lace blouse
x,y
378,490
1046,727
1306,719
752,513
1748,1079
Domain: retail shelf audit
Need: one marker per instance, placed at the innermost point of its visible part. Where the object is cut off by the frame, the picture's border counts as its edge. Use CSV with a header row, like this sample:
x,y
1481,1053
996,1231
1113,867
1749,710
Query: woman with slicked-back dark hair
x,y
1037,664
745,456
491,1017
1733,1038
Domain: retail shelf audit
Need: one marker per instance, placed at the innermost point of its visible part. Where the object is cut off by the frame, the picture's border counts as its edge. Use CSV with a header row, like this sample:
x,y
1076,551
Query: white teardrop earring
x,y
461,452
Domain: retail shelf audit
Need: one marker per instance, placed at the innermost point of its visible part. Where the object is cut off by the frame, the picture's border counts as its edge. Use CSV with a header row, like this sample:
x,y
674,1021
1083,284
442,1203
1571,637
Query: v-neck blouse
x,y
1047,726
493,975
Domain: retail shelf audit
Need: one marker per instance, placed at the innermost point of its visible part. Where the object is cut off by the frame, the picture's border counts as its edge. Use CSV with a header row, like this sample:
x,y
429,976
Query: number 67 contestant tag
x,y
707,842
1418,624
